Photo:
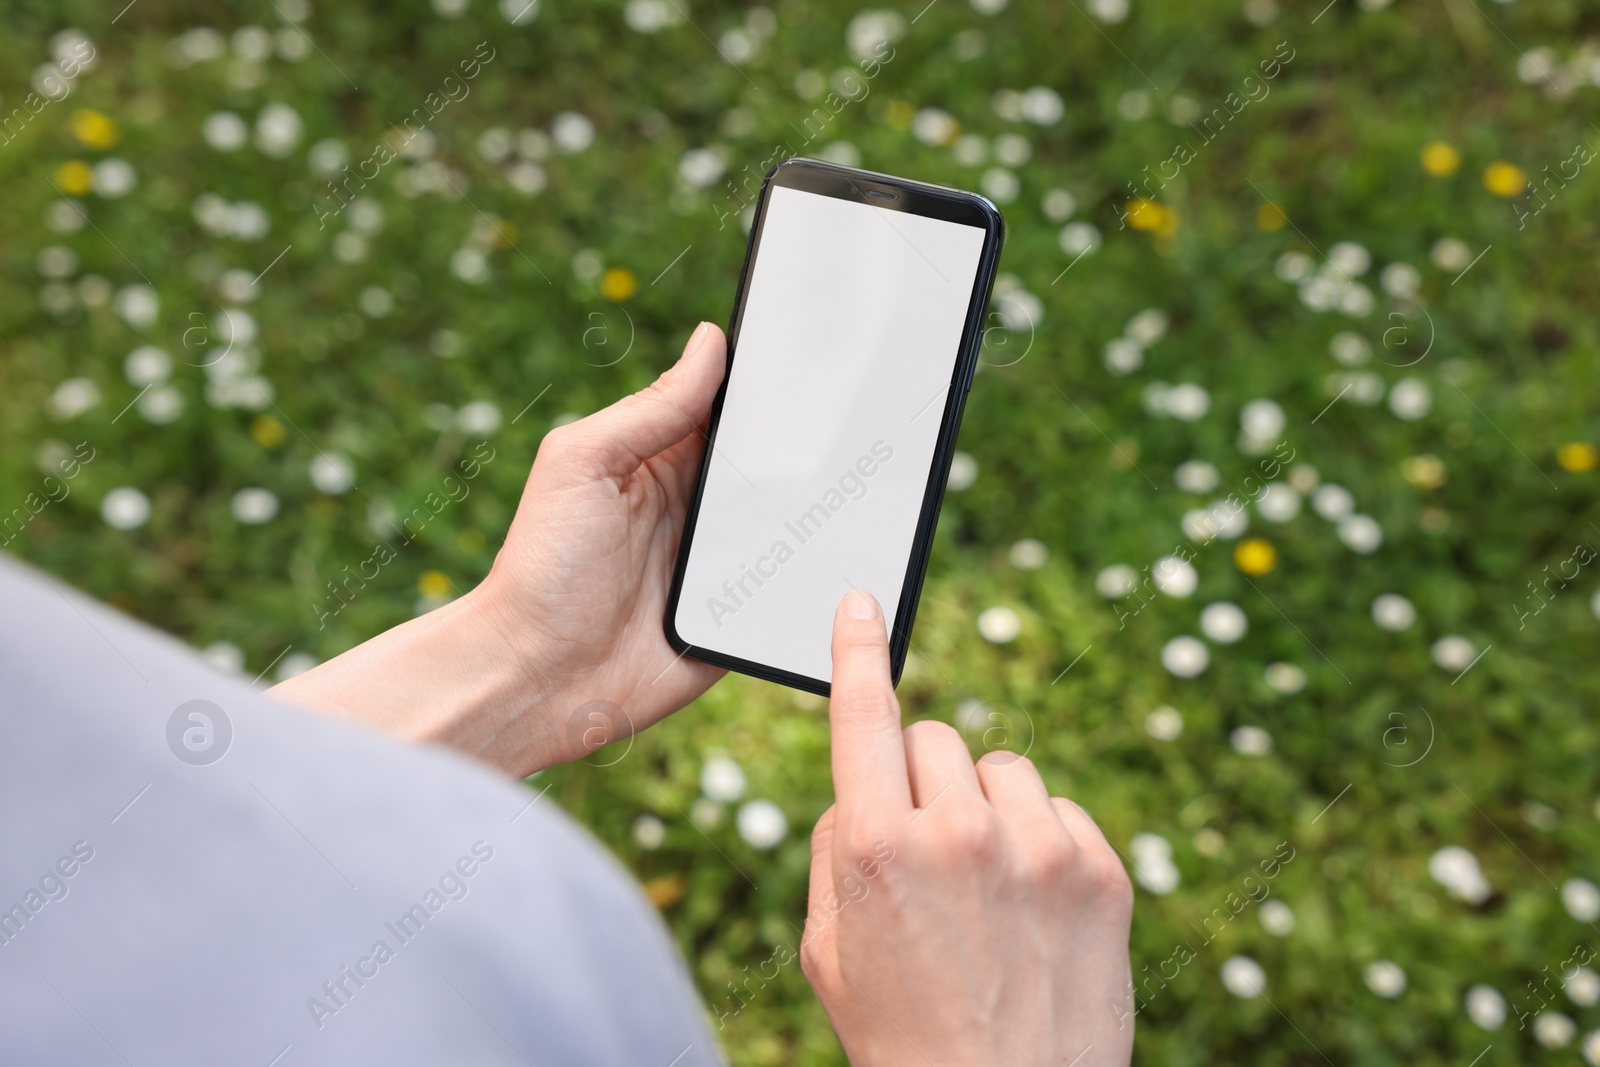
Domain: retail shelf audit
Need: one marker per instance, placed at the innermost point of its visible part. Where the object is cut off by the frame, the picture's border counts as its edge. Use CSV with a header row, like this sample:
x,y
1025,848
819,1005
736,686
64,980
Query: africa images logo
x,y
199,732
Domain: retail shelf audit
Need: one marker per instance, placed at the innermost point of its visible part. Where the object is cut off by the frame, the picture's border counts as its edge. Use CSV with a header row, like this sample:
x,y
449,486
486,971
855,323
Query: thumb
x,y
657,417
817,933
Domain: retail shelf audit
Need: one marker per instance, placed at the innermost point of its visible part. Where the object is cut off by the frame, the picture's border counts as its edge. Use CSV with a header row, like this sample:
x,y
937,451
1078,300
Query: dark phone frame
x,y
890,194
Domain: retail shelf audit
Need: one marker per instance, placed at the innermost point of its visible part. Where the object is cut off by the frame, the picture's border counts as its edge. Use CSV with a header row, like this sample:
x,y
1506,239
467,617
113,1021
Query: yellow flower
x,y
1505,179
1425,471
666,890
899,114
1255,557
1270,217
94,128
1152,217
1440,159
267,431
618,283
73,177
1578,457
433,585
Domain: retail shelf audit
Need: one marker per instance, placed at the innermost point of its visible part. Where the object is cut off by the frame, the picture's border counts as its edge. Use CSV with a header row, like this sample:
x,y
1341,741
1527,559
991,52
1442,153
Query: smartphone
x,y
855,333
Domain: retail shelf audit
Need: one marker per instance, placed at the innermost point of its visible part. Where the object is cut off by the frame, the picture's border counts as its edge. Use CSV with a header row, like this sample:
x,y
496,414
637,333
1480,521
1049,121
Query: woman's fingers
x,y
869,754
938,761
675,406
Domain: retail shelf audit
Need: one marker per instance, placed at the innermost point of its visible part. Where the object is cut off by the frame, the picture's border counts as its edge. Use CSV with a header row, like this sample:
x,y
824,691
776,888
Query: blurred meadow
x,y
1272,538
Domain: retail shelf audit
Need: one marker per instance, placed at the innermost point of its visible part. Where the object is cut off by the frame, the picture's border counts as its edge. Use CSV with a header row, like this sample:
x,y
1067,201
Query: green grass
x,y
1066,453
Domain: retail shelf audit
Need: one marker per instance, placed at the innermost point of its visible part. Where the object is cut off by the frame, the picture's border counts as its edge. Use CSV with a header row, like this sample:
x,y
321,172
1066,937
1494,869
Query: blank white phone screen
x,y
844,361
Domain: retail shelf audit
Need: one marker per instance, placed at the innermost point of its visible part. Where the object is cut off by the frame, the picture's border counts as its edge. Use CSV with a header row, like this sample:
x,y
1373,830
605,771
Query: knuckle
x,y
859,842
812,957
931,730
822,833
968,832
1049,861
1107,880
868,702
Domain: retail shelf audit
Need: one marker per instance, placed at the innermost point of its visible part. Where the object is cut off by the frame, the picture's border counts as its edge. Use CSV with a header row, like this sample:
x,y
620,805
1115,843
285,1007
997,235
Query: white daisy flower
x,y
701,167
1243,977
1350,349
1393,612
647,16
161,405
1262,420
125,508
278,130
1486,1007
1115,581
1385,978
649,832
138,305
147,365
254,506
1174,577
1285,678
1000,185
1410,399
1278,502
1453,653
1164,723
1223,622
1401,280
1147,327
1349,259
73,397
999,625
1581,899
225,131
480,418
1185,657
293,665
332,473
1123,356
572,132
1583,987
1109,10
1058,205
1277,918
1361,533
1188,402
1457,870
722,779
1333,502
1079,238
1553,1029
1294,267
1251,741
963,472
762,824
1450,254
1196,476
1042,106
1029,554
224,656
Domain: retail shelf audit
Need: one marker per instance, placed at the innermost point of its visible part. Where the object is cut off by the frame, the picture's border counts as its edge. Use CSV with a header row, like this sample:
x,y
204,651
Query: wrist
x,y
461,675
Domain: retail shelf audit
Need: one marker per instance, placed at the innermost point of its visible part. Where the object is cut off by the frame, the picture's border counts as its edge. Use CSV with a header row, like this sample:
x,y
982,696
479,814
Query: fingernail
x,y
860,604
699,331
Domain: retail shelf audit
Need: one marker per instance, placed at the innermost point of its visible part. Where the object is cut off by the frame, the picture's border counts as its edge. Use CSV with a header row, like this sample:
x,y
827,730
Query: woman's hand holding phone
x,y
959,914
560,649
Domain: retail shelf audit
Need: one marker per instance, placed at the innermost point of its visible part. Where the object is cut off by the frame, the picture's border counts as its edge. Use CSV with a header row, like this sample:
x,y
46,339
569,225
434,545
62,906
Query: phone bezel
x,y
896,194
